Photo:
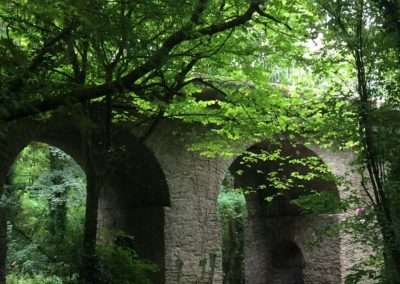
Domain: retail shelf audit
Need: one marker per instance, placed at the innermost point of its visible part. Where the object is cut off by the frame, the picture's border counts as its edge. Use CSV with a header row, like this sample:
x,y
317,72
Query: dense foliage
x,y
306,72
232,213
47,199
45,228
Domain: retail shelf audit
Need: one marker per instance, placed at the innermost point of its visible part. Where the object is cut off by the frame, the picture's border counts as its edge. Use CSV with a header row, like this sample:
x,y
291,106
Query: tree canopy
x,y
66,52
321,72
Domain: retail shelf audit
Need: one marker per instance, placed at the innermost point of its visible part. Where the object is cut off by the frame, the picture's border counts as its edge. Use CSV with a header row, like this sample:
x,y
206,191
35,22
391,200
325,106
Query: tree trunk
x,y
373,160
88,268
391,252
3,235
3,226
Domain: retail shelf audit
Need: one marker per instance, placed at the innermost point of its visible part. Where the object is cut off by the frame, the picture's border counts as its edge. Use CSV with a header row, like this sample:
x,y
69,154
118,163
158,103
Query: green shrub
x,y
119,263
35,279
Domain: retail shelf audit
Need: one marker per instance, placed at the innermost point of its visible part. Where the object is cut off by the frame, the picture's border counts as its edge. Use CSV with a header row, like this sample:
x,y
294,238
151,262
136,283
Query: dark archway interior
x,y
133,201
288,262
286,254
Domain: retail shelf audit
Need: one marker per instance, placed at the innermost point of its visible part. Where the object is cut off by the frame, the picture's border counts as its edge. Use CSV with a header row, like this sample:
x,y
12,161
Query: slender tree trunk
x,y
391,250
94,183
88,269
3,226
3,235
373,160
383,208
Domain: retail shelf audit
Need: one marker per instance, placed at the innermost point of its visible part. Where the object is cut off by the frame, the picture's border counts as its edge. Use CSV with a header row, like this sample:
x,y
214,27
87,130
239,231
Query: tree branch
x,y
127,83
17,84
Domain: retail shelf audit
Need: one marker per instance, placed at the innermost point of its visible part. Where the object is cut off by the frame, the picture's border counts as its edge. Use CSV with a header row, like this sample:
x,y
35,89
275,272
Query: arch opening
x,y
288,262
287,254
46,199
131,211
133,194
274,218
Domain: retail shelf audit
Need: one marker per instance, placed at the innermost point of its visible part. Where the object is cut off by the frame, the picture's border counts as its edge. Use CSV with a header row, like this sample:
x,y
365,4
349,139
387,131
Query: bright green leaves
x,y
30,164
12,55
231,204
36,188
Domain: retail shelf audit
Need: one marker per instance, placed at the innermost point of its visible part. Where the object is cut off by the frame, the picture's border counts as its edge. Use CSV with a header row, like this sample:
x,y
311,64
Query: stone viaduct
x,y
166,196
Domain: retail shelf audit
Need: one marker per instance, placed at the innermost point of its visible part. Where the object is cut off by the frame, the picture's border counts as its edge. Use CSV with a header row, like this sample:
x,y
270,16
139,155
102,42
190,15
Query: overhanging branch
x,y
128,82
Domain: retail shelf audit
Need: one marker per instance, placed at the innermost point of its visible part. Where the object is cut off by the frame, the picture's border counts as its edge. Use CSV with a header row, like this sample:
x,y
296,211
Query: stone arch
x,y
12,147
270,224
57,131
183,196
134,195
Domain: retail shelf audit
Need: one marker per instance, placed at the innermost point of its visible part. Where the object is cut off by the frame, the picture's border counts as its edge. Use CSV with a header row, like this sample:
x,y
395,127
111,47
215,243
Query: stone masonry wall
x,y
192,228
351,253
178,227
263,234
